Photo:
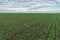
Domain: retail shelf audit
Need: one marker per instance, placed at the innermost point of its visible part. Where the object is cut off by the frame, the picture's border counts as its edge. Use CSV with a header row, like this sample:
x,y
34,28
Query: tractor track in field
x,y
57,28
47,35
59,35
54,31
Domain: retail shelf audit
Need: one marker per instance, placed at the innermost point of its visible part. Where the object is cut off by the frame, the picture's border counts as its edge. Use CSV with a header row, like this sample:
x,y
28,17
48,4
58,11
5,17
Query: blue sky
x,y
29,5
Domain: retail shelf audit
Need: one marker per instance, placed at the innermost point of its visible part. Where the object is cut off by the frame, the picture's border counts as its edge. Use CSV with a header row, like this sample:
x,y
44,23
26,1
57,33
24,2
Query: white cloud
x,y
58,0
43,4
3,0
24,7
18,9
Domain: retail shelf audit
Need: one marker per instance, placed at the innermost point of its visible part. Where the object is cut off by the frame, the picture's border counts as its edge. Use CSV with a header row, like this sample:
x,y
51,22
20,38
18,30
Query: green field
x,y
29,26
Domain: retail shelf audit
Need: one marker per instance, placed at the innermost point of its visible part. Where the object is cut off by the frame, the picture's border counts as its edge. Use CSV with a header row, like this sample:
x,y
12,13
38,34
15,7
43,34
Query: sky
x,y
50,6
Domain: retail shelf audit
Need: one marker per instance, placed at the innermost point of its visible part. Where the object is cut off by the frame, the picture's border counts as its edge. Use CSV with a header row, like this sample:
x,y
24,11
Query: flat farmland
x,y
32,26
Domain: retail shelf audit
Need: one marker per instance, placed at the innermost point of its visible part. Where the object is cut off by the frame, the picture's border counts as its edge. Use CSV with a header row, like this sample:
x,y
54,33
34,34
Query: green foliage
x,y
29,26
